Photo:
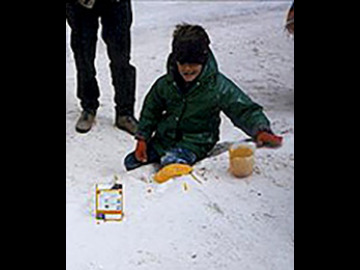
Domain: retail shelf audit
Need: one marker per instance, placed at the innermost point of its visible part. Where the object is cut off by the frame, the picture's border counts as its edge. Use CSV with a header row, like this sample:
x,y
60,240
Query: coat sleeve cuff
x,y
262,128
141,136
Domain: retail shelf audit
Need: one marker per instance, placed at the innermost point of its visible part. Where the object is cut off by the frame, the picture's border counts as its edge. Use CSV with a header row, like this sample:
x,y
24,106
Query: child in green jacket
x,y
180,118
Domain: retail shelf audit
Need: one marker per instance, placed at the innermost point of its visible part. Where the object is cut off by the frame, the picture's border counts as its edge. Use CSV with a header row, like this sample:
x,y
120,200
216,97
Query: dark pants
x,y
116,20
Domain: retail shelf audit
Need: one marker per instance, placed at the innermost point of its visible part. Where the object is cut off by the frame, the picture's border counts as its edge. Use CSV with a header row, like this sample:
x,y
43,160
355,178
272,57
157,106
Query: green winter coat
x,y
167,112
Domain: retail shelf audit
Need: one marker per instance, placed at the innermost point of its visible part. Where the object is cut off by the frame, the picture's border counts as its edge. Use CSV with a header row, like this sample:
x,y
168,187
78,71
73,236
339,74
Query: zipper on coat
x,y
178,133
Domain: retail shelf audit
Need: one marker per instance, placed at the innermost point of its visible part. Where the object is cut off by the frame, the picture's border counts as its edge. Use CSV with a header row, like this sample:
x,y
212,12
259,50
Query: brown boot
x,y
85,122
127,123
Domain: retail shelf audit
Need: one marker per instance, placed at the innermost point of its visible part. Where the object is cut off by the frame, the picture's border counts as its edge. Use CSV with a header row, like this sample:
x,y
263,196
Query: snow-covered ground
x,y
223,224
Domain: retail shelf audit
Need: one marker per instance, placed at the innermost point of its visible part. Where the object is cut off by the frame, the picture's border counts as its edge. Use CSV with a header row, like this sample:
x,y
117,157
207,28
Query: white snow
x,y
225,223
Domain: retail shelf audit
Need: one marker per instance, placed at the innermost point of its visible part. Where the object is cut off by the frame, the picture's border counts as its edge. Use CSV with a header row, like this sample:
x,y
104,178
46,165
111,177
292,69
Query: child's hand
x,y
265,138
140,152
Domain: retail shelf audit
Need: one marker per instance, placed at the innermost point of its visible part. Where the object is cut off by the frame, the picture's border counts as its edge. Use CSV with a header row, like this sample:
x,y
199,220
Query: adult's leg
x,y
116,19
84,26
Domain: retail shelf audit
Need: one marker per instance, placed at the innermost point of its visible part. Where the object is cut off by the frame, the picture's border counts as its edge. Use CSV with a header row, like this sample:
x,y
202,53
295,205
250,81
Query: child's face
x,y
189,71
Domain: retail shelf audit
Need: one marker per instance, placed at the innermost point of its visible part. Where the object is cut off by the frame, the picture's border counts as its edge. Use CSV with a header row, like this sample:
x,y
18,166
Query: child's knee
x,y
131,162
178,155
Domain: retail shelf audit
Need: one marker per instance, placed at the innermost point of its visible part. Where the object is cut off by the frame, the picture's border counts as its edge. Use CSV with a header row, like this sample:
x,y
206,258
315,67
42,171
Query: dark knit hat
x,y
190,44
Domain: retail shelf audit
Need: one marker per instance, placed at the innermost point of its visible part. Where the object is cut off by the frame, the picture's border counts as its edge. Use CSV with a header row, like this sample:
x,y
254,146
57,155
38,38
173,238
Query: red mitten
x,y
265,138
140,152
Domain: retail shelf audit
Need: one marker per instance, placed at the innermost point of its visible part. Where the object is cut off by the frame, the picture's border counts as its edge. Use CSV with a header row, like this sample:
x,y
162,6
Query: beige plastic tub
x,y
242,159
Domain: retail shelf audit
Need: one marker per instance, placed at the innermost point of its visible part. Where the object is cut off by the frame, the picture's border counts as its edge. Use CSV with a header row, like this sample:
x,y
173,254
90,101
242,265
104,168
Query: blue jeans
x,y
173,155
